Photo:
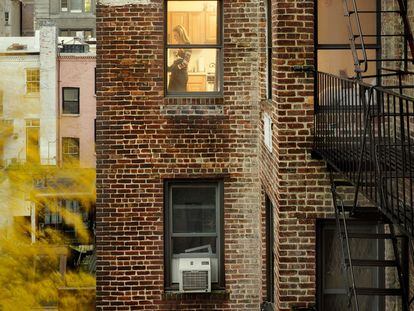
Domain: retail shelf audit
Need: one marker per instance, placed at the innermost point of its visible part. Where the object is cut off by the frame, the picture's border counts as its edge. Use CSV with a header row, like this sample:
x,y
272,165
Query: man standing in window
x,y
179,69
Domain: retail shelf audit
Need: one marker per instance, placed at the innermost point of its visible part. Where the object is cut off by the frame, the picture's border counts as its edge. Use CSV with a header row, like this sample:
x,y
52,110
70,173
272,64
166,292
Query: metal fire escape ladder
x,y
344,212
342,215
358,44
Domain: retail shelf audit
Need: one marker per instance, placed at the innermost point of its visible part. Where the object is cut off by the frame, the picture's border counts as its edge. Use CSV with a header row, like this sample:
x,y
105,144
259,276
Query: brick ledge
x,y
220,294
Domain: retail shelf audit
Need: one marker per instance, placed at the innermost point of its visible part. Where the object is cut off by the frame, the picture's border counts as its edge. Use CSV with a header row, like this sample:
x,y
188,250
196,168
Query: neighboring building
x,y
211,173
16,18
77,105
10,18
28,88
47,134
71,17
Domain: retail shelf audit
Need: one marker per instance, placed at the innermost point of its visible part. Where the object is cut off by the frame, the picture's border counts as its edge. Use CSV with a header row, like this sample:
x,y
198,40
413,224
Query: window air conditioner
x,y
195,275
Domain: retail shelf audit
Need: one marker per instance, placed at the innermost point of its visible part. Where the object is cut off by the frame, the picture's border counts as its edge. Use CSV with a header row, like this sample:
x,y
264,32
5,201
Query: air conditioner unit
x,y
195,275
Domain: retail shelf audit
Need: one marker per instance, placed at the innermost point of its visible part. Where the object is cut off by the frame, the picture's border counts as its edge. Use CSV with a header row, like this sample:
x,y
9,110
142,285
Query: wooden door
x,y
32,145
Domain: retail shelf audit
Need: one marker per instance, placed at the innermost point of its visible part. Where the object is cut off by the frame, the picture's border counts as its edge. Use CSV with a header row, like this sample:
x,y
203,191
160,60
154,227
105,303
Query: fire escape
x,y
365,132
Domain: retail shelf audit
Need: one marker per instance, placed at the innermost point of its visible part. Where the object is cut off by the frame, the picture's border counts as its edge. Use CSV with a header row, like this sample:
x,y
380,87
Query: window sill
x,y
32,95
215,294
75,115
192,106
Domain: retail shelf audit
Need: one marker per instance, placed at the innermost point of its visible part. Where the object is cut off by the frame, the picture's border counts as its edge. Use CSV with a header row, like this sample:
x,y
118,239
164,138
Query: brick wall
x,y
144,138
393,47
296,183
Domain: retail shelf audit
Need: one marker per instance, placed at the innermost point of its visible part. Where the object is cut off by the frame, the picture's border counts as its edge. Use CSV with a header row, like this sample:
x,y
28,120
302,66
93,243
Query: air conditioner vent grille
x,y
195,280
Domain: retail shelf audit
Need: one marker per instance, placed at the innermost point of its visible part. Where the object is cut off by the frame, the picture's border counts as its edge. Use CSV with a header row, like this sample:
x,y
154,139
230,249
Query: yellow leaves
x,y
31,273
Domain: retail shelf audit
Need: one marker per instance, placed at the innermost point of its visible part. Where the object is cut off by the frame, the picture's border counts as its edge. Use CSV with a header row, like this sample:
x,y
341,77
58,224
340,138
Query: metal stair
x,y
342,192
357,38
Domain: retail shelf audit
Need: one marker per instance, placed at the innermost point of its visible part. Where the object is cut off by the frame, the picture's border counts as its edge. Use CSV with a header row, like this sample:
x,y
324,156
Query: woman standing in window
x,y
179,69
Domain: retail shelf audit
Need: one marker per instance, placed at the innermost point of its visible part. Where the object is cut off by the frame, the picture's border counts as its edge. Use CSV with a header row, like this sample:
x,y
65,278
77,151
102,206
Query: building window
x,y
76,6
269,52
333,50
193,227
270,257
6,18
85,33
194,47
70,151
331,292
268,131
33,141
32,80
70,99
64,5
62,216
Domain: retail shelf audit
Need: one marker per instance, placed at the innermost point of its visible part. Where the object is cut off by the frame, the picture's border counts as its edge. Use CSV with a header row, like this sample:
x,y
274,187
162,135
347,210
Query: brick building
x,y
222,167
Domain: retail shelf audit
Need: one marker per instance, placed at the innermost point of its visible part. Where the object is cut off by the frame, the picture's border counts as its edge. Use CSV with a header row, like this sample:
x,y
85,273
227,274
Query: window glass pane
x,y
70,107
340,302
334,284
70,94
88,5
193,70
331,12
180,245
64,5
192,22
188,219
32,80
341,62
76,5
201,196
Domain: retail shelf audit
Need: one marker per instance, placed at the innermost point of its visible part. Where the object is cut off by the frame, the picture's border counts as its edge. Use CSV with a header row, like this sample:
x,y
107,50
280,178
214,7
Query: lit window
x,y
70,100
87,6
70,151
76,6
193,47
194,215
32,80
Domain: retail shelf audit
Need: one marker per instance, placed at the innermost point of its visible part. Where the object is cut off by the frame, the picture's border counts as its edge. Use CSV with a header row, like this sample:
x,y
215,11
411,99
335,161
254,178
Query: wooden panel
x,y
175,19
211,27
196,83
196,28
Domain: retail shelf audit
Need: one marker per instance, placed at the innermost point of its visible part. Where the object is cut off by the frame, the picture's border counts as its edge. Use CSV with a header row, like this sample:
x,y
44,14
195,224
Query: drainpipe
x,y
59,118
21,18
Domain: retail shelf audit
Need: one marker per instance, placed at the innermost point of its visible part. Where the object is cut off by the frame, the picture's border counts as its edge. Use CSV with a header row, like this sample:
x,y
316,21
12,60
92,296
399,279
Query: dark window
x,y
61,216
269,251
193,227
331,284
269,44
64,5
194,47
85,33
70,99
70,151
6,18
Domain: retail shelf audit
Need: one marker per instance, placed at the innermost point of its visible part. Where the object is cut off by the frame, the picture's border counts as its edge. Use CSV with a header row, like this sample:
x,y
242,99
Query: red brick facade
x,y
144,138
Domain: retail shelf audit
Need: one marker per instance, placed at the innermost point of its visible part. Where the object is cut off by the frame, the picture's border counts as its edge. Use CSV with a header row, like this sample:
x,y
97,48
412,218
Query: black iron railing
x,y
367,134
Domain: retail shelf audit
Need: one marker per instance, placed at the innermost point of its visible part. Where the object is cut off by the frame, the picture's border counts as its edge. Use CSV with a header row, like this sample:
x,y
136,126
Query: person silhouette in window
x,y
179,68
